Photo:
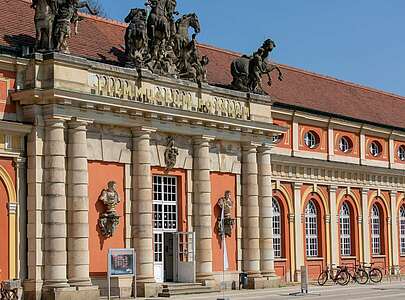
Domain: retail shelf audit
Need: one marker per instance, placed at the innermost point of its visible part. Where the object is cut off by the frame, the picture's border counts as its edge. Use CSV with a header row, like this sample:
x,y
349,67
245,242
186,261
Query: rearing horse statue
x,y
181,38
45,11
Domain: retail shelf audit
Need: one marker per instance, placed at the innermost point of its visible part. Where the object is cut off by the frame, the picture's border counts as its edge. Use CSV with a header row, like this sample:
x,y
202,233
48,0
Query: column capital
x,y
57,121
19,162
291,218
142,130
77,122
393,194
250,145
199,139
364,191
297,185
332,188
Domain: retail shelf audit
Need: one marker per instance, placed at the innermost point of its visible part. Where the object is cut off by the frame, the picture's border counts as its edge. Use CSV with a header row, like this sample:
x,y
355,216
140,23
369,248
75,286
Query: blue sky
x,y
361,41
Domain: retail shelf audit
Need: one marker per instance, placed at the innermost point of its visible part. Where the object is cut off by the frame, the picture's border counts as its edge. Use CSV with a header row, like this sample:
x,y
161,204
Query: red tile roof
x,y
103,40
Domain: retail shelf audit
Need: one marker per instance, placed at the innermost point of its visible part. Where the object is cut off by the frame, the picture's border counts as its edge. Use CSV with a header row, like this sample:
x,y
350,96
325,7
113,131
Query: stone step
x,y
175,289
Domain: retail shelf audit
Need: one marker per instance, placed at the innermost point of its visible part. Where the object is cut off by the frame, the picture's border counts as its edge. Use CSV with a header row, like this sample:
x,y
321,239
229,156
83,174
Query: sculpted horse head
x,y
186,21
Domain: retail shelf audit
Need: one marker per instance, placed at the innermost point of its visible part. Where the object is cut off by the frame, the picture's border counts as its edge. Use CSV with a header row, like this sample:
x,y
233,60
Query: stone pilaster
x,y
250,212
366,226
202,209
334,229
394,229
142,210
266,211
55,256
298,231
78,205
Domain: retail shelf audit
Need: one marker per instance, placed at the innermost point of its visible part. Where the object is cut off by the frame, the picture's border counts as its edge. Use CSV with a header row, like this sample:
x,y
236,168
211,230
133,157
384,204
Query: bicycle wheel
x,y
361,276
342,278
323,277
375,275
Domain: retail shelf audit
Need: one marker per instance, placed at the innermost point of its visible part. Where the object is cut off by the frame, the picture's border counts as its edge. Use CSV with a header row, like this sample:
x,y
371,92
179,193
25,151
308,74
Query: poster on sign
x,y
121,263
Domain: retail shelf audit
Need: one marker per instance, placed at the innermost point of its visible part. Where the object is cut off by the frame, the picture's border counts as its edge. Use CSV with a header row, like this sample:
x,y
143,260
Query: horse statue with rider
x,y
156,40
247,71
53,20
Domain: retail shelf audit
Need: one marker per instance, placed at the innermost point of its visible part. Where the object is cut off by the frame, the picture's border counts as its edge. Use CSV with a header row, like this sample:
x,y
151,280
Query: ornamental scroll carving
x,y
225,222
109,220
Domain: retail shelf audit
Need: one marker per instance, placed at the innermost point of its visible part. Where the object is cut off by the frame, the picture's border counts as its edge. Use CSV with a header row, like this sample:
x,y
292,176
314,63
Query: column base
x,y
207,279
257,283
147,289
71,293
32,290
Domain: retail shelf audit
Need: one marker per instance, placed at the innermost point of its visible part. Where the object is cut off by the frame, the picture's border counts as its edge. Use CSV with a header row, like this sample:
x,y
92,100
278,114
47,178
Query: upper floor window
x,y
375,148
345,239
375,230
311,139
311,230
8,142
401,152
277,138
345,144
276,228
402,228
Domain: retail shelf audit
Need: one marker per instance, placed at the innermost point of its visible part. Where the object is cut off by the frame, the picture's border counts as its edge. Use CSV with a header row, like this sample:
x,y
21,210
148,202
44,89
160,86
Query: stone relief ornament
x,y
225,222
171,153
247,71
109,220
157,41
53,20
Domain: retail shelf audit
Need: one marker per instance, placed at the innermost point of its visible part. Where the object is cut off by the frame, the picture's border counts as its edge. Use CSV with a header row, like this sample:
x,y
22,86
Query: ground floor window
x,y
311,230
402,229
345,231
375,230
277,229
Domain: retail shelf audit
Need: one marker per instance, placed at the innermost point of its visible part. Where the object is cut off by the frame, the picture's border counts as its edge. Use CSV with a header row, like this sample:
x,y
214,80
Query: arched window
x,y
345,240
276,228
311,230
402,228
375,230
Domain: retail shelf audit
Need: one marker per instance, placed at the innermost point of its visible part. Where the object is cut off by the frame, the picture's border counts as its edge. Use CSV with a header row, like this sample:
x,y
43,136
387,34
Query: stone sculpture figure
x,y
171,153
247,71
136,37
109,220
226,204
45,11
169,50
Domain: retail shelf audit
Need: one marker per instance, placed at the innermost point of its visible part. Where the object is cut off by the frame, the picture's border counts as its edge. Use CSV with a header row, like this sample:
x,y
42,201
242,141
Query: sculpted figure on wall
x,y
171,153
225,222
162,44
53,20
247,71
109,220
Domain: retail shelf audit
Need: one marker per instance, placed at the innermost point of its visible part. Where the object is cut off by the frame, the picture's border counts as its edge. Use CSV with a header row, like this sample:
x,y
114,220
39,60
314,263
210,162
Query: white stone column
x,y
142,207
250,212
298,231
55,256
394,229
202,208
78,205
334,228
266,211
366,225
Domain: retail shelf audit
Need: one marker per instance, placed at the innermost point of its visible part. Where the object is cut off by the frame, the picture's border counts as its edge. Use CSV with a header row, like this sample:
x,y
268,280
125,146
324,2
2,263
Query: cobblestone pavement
x,y
395,290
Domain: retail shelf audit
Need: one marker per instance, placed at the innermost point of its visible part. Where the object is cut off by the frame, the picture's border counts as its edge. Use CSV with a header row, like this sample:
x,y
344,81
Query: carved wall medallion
x,y
109,220
225,225
171,153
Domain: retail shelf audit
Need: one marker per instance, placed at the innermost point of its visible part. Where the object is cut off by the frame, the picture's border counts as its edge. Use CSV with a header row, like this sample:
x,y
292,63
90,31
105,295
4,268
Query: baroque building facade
x,y
315,177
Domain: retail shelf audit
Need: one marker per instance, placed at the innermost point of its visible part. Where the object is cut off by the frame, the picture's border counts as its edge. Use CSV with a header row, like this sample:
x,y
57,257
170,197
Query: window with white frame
x,y
276,228
375,148
345,144
402,228
375,230
311,139
311,230
345,240
401,152
8,142
165,203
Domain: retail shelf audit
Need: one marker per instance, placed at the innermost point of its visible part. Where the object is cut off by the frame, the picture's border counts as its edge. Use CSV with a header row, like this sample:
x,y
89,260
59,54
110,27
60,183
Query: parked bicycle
x,y
338,275
358,275
374,274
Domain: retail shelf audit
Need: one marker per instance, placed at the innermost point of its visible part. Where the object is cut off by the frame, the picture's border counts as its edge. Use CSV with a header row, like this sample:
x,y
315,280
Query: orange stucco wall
x,y
4,221
354,138
100,174
286,141
7,82
221,182
182,193
322,134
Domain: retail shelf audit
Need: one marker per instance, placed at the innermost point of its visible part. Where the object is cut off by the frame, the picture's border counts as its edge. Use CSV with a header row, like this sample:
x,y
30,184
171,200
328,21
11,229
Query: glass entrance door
x,y
165,198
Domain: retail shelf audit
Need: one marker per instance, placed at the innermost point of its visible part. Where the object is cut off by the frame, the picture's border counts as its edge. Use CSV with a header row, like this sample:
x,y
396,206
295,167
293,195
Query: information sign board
x,y
121,263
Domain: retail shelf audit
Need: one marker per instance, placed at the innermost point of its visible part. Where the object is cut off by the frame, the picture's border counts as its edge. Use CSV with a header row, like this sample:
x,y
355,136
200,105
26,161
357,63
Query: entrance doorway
x,y
174,258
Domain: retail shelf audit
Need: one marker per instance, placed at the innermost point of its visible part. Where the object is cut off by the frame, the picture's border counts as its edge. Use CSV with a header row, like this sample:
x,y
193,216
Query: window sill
x,y
314,258
378,256
280,259
348,257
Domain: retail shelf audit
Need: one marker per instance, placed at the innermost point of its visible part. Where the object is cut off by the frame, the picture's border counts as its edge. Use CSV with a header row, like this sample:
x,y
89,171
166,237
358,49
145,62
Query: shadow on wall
x,y
100,208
